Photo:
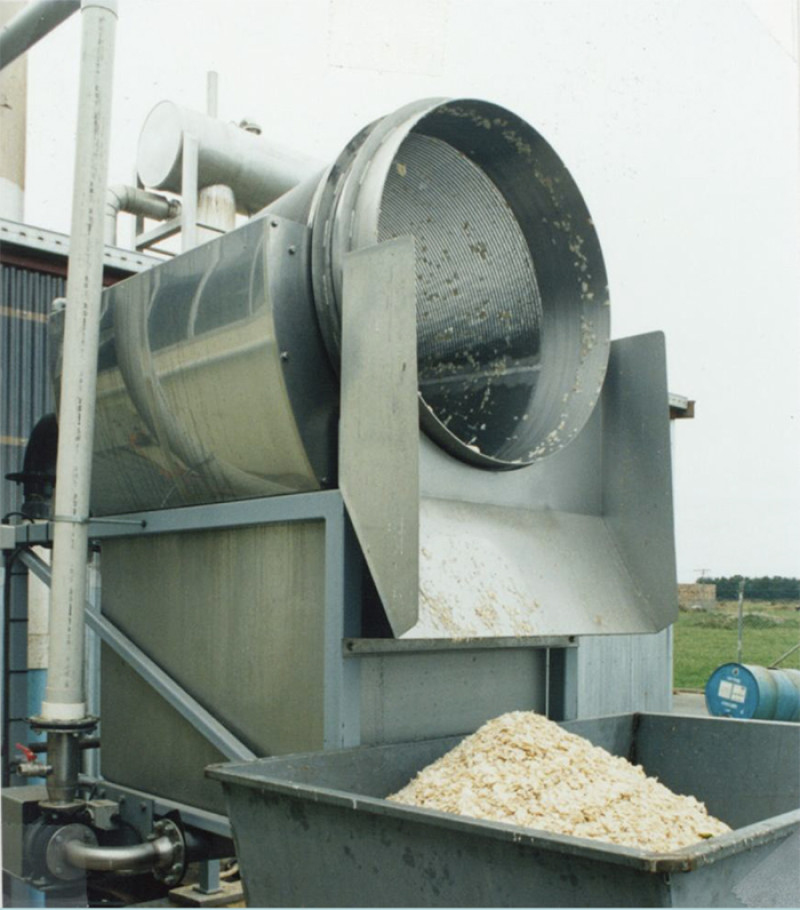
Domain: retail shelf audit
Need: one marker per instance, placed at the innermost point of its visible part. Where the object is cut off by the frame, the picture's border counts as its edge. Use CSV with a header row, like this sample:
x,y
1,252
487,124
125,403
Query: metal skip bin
x,y
360,850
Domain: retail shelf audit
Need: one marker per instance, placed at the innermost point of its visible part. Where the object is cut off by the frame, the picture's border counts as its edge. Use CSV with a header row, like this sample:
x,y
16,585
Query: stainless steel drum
x,y
218,369
512,298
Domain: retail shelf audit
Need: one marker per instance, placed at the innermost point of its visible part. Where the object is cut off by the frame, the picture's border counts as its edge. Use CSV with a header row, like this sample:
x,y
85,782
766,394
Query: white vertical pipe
x,y
65,698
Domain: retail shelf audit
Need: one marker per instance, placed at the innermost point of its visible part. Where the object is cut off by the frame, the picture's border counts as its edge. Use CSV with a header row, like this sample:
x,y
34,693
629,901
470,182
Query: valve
x,y
30,767
29,754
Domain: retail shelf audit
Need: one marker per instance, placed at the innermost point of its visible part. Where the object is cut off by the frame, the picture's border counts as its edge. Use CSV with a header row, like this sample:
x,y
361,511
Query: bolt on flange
x,y
173,867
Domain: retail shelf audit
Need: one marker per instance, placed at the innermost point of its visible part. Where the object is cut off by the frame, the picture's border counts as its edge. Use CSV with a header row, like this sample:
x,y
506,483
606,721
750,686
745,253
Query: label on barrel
x,y
732,691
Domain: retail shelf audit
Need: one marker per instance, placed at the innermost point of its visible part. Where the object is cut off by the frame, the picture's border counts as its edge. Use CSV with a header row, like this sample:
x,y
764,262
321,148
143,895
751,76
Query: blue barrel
x,y
750,691
794,678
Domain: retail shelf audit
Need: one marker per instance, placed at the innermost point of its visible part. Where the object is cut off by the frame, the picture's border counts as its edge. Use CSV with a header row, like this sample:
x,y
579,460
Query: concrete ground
x,y
689,703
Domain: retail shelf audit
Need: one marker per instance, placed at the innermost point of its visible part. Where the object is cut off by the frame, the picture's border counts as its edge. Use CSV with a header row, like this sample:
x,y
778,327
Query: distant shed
x,y
703,595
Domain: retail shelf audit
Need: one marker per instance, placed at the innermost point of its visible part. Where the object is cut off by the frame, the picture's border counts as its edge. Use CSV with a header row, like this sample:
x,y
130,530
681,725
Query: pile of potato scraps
x,y
524,769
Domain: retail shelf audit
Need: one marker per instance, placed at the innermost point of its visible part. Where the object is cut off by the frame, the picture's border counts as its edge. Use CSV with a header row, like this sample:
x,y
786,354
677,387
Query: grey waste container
x,y
315,830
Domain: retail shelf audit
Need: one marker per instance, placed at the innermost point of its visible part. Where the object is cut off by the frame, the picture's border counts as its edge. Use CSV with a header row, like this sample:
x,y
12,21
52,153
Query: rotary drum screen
x,y
479,310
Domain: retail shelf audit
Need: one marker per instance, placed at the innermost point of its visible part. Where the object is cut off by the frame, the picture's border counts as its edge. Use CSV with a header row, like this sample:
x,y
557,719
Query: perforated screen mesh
x,y
479,310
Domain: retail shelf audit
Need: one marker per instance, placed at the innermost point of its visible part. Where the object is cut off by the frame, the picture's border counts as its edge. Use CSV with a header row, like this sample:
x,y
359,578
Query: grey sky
x,y
679,121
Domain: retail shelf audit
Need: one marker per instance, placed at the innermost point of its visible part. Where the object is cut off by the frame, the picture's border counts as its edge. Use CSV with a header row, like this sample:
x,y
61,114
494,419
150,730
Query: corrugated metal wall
x,y
25,299
26,295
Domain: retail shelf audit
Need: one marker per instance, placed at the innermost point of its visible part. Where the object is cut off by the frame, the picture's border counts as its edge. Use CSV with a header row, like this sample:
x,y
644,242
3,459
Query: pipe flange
x,y
174,864
72,807
57,863
80,725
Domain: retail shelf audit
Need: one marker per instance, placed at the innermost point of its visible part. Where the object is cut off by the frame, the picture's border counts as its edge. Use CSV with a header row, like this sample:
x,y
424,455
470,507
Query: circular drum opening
x,y
511,296
479,310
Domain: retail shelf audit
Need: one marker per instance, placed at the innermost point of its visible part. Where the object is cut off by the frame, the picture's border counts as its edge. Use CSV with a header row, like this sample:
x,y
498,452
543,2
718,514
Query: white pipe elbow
x,y
124,198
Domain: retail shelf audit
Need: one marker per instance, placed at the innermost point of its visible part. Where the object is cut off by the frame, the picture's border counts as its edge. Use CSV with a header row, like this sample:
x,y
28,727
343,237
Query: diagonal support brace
x,y
176,696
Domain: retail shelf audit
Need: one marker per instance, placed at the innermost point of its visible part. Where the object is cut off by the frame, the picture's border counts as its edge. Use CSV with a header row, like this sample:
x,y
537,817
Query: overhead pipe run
x,y
136,201
31,25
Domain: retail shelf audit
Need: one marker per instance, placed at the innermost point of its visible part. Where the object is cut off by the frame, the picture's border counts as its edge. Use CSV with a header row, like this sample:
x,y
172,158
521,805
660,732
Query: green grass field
x,y
704,640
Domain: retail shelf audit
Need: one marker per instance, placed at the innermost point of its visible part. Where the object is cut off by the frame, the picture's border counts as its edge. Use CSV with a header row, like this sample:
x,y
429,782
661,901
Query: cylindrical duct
x,y
218,369
257,172
512,297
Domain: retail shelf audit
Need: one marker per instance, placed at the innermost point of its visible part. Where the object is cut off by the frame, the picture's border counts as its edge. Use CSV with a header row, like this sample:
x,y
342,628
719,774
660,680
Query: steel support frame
x,y
13,233
138,808
177,697
341,619
342,647
146,240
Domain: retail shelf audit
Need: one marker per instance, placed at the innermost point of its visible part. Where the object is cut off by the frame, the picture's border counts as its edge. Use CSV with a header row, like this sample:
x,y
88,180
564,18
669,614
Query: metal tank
x,y
228,155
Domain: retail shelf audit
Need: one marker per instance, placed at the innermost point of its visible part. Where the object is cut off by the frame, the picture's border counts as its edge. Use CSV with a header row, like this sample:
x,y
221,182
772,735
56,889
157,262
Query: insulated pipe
x,y
124,198
152,854
64,702
32,24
